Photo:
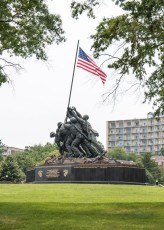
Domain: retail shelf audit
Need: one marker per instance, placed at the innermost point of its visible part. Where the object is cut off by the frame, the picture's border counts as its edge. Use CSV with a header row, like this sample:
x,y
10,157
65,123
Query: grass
x,y
81,206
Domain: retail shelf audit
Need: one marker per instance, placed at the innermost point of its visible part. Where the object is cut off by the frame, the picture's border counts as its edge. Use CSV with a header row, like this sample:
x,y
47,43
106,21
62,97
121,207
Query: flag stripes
x,y
86,63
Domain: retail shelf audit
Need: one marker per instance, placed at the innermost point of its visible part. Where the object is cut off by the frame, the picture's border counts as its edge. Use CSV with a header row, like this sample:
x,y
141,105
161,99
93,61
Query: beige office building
x,y
136,135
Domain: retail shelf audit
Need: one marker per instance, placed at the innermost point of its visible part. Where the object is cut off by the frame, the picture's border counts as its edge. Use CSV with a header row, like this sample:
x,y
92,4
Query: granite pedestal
x,y
90,172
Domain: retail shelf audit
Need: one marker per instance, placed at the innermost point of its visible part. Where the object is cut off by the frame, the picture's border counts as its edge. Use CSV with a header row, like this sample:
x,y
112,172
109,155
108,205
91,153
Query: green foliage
x,y
162,152
120,154
10,171
35,155
162,175
149,177
153,171
26,27
79,8
138,37
3,76
117,153
1,149
25,161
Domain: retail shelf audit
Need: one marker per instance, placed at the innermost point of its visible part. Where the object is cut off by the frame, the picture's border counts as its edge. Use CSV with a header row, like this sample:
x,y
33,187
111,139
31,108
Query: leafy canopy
x,y
10,171
139,34
118,153
35,155
2,149
153,171
26,27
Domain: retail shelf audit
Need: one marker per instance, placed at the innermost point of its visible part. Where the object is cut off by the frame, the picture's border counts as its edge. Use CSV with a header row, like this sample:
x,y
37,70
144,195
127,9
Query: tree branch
x,y
114,91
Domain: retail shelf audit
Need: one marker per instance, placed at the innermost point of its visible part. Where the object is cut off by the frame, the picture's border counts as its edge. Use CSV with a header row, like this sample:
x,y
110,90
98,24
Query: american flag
x,y
86,63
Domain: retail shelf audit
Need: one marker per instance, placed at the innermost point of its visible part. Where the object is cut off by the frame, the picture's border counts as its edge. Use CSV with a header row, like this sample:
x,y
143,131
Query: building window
x,y
120,131
127,137
128,130
144,130
151,141
120,137
144,142
128,149
121,124
113,125
120,143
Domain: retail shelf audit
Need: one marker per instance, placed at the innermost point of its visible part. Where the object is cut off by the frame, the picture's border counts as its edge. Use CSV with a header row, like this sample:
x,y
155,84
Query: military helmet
x,y
59,124
52,134
73,120
85,117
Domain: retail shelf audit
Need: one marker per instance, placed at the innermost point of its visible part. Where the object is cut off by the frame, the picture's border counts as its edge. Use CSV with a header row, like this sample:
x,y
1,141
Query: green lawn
x,y
81,206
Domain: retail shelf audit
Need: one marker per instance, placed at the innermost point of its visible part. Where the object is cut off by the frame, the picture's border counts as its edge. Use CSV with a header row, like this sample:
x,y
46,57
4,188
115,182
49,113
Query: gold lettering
x,y
52,173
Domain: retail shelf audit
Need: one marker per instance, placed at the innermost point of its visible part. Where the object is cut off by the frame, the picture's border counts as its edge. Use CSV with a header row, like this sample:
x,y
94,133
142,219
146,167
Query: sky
x,y
37,98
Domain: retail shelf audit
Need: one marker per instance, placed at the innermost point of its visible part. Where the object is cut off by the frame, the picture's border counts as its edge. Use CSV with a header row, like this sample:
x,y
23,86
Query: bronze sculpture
x,y
76,137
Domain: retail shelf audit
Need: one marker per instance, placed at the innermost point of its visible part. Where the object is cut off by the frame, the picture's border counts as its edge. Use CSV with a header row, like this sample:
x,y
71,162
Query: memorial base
x,y
87,173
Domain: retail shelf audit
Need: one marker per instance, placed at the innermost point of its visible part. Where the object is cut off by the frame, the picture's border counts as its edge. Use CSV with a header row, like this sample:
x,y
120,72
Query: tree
x,y
162,152
26,27
117,153
138,34
153,171
1,149
10,170
34,155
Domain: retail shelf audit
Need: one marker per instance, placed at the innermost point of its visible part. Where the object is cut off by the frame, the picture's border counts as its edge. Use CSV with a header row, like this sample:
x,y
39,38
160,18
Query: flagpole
x,y
73,74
